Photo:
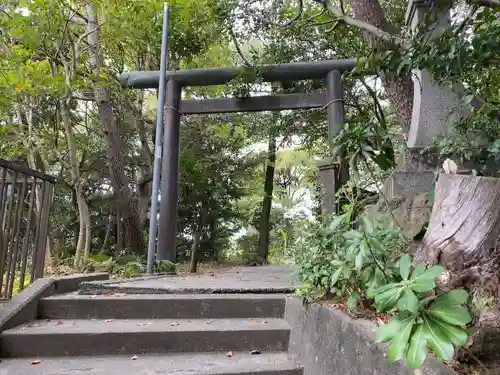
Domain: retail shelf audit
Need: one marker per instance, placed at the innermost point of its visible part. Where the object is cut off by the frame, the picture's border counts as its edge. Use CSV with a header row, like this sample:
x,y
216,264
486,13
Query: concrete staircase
x,y
153,334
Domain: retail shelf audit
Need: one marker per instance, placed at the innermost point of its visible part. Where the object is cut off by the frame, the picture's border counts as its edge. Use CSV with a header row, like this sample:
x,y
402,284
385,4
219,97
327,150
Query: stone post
x,y
435,109
332,177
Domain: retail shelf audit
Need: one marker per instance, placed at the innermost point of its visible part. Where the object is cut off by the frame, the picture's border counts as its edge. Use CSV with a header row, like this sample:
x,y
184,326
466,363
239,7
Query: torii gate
x,y
175,81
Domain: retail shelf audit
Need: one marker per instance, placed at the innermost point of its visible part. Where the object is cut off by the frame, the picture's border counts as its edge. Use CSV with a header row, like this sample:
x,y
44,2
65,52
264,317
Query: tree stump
x,y
463,236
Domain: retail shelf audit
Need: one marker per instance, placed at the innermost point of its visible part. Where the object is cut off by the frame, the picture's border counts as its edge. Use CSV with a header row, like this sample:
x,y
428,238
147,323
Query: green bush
x,y
333,259
354,265
125,265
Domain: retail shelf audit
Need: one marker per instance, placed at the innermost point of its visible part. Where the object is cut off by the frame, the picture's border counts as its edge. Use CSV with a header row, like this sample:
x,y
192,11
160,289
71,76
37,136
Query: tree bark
x,y
265,222
109,124
109,228
197,241
399,89
83,243
463,235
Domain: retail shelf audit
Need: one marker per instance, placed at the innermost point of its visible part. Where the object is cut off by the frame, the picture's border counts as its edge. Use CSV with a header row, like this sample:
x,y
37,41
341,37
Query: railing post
x,y
4,266
44,227
333,176
14,244
169,189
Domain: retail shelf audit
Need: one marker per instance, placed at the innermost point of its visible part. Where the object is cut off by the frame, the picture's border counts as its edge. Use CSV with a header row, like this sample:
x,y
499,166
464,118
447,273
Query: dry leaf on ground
x,y
36,362
174,324
229,354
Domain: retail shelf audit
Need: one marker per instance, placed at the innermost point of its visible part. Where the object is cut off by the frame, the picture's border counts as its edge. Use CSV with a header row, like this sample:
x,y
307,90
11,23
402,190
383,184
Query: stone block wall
x,y
328,342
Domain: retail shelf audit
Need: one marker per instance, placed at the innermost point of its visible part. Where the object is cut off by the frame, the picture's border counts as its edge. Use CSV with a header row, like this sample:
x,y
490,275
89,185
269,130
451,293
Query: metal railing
x,y
25,201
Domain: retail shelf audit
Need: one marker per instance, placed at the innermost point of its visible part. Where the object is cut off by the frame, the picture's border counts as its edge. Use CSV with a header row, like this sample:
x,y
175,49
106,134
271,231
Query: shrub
x,y
333,259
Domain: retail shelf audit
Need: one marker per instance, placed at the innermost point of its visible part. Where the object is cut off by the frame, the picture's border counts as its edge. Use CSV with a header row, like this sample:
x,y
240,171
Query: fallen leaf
x,y
276,277
229,354
213,275
59,322
174,324
254,352
36,362
134,358
108,320
253,321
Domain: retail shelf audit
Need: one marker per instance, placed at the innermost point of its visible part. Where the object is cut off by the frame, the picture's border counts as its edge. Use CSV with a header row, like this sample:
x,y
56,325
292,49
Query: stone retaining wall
x,y
328,342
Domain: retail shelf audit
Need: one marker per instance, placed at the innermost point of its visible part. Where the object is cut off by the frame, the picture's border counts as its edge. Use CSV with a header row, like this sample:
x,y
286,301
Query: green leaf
x,y
418,270
456,316
424,302
452,298
347,272
377,245
423,285
335,276
417,351
431,273
400,341
367,225
358,262
409,301
353,301
404,266
386,332
336,222
353,235
438,342
457,335
388,299
364,248
385,288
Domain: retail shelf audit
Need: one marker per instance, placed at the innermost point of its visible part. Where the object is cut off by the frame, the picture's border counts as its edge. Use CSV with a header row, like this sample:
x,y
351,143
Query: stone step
x,y
178,364
162,306
140,336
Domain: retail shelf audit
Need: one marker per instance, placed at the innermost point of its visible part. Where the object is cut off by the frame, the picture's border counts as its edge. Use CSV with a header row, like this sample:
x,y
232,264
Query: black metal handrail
x,y
25,200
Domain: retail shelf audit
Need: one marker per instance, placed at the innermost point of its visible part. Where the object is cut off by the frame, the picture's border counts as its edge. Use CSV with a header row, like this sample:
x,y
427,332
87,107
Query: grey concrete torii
x,y
332,99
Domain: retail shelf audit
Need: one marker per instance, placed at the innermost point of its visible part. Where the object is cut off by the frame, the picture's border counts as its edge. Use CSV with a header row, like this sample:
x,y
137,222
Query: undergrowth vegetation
x,y
362,263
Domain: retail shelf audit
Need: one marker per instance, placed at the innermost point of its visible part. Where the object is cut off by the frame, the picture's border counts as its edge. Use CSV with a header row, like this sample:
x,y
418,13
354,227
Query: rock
x,y
412,212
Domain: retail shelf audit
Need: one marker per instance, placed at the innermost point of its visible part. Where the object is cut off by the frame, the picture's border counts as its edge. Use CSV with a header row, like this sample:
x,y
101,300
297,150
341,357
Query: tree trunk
x,y
196,242
119,233
265,222
213,233
463,236
109,124
193,266
109,228
399,89
88,233
83,209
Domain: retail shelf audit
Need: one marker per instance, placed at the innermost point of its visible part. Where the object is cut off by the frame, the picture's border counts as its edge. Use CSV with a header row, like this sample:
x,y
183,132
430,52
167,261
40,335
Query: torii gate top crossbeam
x,y
218,76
